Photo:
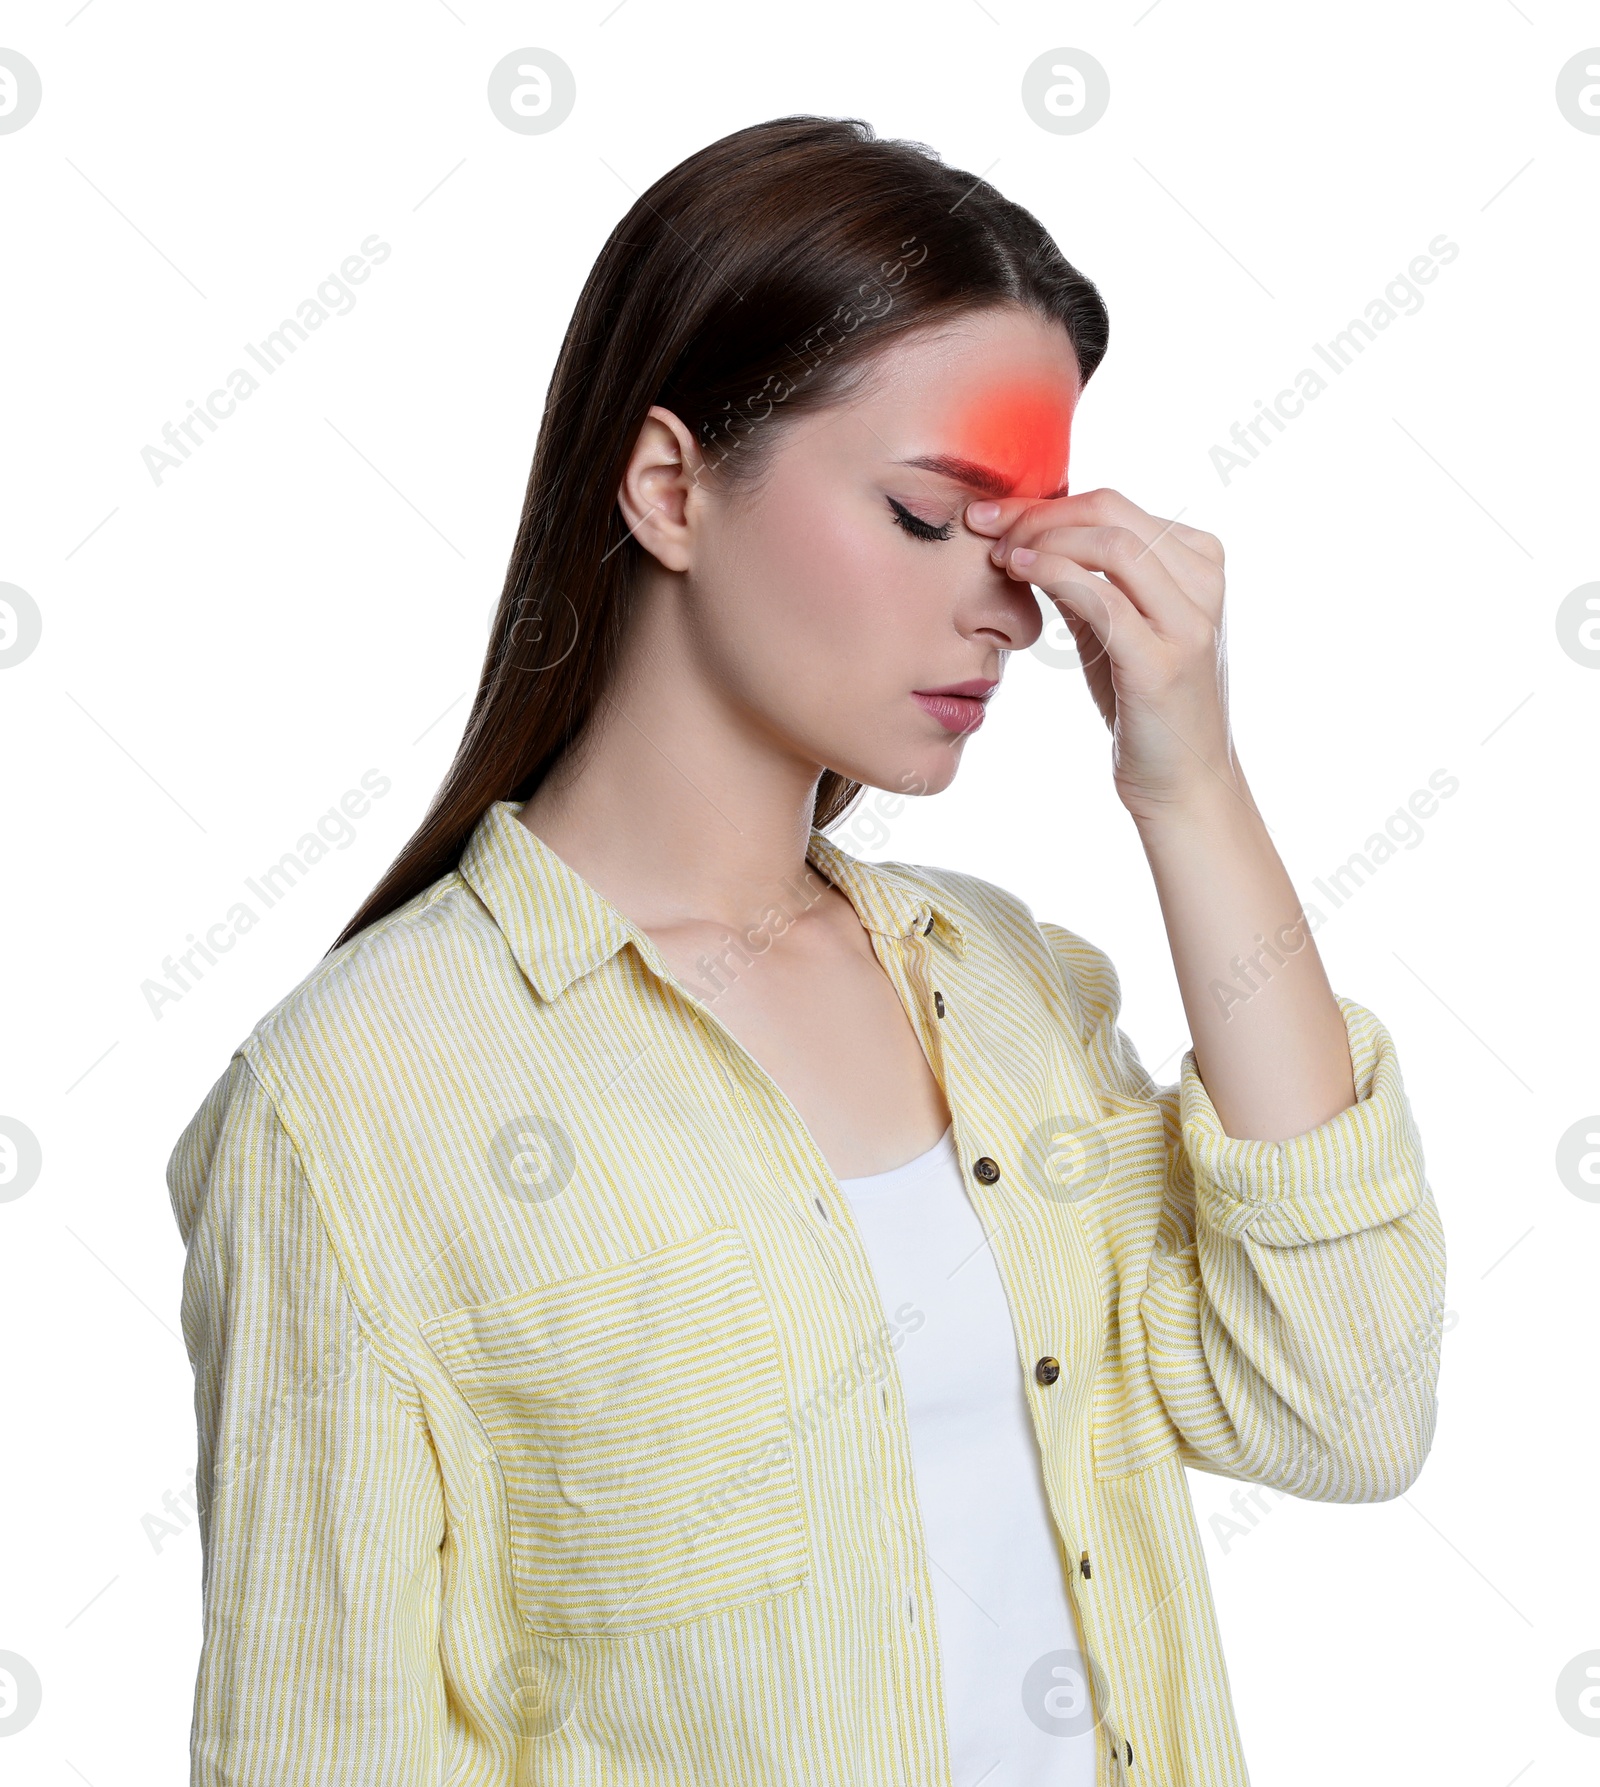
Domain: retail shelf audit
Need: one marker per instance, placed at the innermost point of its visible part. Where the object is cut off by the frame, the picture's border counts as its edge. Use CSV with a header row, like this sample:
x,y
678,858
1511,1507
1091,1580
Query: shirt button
x,y
1047,1370
938,1005
984,1170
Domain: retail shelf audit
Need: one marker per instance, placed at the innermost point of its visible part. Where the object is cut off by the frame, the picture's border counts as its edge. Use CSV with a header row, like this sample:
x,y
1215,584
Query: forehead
x,y
997,389
998,351
1015,425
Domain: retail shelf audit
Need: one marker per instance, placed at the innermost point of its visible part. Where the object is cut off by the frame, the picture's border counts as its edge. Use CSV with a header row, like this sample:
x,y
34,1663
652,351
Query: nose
x,y
1001,611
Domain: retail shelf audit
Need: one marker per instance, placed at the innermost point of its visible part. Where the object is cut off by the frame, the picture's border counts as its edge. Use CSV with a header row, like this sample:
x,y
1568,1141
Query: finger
x,y
1123,632
1124,560
1195,558
1111,508
1084,638
993,515
1196,568
1092,654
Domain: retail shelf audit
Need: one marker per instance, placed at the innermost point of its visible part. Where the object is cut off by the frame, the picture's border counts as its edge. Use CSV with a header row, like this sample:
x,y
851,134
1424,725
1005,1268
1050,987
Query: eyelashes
x,y
917,527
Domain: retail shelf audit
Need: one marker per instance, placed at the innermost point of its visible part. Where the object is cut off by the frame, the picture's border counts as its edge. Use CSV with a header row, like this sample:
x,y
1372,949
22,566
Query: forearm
x,y
1269,1039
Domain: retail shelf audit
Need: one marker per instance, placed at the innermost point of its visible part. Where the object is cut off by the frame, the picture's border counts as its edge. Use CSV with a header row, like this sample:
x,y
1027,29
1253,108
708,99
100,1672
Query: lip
x,y
976,686
958,707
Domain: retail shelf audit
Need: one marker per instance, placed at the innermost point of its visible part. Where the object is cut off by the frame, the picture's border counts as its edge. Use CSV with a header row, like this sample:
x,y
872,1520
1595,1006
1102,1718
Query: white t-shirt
x,y
1017,1693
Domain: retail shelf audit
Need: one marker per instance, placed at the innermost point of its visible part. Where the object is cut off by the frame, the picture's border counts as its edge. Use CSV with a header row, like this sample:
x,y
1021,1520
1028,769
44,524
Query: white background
x,y
225,653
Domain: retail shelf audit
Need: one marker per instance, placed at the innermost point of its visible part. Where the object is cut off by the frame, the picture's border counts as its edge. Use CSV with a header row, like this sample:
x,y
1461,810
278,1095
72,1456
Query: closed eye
x,y
917,527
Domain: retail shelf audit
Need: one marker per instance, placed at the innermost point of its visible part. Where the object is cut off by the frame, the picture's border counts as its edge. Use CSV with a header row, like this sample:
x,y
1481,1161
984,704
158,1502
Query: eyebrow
x,y
982,478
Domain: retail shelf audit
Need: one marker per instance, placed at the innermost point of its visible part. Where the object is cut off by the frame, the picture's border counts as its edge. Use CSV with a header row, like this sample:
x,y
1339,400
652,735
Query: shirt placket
x,y
905,960
1020,1278
908,1601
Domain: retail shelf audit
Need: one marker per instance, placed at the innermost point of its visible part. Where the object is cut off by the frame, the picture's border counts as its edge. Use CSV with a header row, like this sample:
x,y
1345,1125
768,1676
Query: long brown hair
x,y
751,283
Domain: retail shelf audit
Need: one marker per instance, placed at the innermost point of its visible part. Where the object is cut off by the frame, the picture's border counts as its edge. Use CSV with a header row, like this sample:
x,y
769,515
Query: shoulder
x,y
364,1005
404,964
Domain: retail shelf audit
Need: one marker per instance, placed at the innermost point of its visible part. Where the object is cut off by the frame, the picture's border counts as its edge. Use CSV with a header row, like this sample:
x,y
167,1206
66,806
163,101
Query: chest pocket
x,y
640,1423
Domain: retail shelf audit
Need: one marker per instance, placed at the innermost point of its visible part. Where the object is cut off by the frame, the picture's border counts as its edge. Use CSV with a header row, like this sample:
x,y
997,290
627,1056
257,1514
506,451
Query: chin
x,y
939,767
915,770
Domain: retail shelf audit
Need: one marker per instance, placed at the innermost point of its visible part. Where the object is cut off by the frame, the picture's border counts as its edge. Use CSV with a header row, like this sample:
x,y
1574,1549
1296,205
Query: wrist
x,y
1213,800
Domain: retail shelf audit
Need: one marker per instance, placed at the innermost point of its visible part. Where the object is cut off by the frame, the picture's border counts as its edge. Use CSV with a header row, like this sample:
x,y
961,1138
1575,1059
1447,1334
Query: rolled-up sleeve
x,y
321,1509
1292,1302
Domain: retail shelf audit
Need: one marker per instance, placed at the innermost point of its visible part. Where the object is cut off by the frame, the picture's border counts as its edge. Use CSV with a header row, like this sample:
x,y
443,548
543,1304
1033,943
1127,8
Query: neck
x,y
676,806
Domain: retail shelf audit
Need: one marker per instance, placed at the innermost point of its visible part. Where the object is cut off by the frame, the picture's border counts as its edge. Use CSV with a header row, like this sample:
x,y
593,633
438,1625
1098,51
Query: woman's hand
x,y
1148,631
1269,1042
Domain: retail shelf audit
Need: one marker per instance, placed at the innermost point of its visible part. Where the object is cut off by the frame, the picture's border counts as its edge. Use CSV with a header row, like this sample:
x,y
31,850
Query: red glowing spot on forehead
x,y
1023,430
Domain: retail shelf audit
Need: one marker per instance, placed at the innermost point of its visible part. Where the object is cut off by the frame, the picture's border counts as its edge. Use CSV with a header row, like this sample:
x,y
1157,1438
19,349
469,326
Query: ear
x,y
660,489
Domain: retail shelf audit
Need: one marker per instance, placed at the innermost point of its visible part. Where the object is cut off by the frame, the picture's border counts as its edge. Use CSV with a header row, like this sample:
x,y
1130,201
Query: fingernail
x,y
981,514
1023,557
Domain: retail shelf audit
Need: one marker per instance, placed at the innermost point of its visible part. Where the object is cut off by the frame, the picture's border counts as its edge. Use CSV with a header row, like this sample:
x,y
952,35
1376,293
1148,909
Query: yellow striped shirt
x,y
550,1425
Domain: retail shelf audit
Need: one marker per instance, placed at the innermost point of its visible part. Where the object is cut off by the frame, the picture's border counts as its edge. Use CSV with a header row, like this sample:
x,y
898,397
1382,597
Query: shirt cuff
x,y
1361,1168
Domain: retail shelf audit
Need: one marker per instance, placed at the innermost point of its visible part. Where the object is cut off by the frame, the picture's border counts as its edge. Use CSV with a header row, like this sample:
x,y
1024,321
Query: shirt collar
x,y
889,899
559,927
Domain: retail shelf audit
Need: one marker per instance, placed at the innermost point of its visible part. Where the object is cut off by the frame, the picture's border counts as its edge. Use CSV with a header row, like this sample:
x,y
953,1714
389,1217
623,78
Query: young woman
x,y
675,1303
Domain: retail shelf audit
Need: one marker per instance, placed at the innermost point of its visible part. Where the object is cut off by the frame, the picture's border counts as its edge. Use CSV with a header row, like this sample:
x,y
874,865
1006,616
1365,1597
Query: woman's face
x,y
826,602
